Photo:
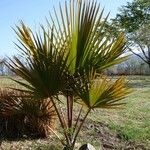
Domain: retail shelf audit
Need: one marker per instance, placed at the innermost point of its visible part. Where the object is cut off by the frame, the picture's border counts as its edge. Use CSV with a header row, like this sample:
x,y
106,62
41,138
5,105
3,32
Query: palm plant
x,y
67,59
22,115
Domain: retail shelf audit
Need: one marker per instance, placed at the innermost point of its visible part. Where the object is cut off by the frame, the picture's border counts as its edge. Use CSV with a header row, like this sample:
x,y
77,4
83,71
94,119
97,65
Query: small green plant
x,y
68,59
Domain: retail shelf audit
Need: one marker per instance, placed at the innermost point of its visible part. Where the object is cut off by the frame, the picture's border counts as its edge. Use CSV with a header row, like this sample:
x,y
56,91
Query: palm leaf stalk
x,y
67,59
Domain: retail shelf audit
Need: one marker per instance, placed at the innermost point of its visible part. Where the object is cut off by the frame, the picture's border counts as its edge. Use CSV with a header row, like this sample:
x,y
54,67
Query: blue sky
x,y
33,12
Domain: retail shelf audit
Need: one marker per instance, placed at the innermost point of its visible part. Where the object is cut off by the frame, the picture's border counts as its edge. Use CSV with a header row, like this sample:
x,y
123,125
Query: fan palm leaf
x,y
103,92
44,67
85,42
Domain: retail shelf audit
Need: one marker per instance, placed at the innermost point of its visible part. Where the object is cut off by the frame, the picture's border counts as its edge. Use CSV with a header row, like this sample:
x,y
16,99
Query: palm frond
x,y
103,93
85,41
44,67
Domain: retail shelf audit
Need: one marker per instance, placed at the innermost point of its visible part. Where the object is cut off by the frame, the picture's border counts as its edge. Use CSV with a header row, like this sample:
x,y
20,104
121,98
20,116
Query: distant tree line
x,y
129,67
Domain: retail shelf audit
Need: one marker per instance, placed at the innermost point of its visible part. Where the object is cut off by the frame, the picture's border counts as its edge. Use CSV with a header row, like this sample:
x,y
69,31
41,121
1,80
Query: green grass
x,y
133,121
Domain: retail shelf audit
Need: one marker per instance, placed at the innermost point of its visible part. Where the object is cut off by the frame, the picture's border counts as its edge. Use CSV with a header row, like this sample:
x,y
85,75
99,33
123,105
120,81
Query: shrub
x,y
21,115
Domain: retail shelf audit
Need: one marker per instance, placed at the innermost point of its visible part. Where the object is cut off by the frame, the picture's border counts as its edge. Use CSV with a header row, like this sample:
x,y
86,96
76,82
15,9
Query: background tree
x,y
134,20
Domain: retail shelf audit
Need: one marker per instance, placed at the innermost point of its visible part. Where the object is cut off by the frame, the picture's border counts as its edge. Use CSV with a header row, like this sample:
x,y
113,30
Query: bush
x,y
20,115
